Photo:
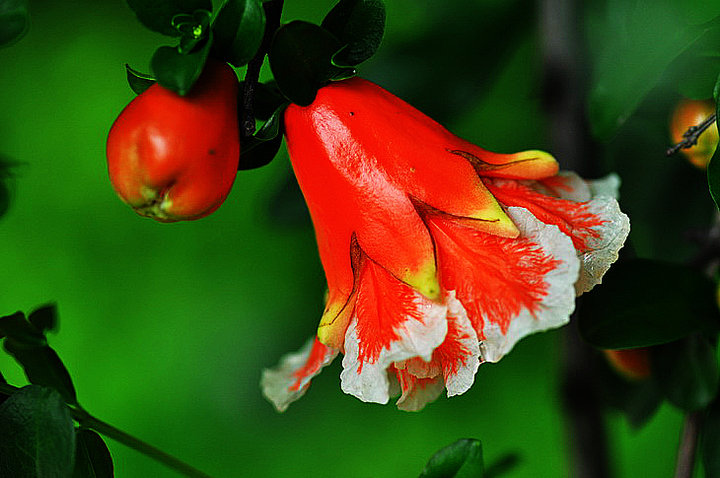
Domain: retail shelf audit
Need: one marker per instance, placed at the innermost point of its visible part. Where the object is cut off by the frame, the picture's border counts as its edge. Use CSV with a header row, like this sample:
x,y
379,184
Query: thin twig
x,y
273,11
690,137
688,445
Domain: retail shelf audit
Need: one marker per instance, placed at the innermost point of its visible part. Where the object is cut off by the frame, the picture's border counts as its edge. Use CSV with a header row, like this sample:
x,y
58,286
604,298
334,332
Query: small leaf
x,y
44,318
686,372
92,457
177,71
359,25
238,31
14,21
256,153
267,100
271,128
710,441
38,438
157,15
139,82
300,60
42,366
462,459
644,302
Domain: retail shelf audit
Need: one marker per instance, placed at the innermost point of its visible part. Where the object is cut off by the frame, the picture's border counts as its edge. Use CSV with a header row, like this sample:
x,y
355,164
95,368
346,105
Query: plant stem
x,y
89,421
273,11
690,137
688,445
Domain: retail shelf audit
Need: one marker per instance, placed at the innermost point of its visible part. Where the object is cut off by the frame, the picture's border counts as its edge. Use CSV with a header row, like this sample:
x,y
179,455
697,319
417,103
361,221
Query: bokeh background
x,y
166,328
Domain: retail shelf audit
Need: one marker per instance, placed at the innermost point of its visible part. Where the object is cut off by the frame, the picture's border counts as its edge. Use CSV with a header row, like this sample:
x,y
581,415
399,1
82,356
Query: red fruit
x,y
630,363
175,157
690,113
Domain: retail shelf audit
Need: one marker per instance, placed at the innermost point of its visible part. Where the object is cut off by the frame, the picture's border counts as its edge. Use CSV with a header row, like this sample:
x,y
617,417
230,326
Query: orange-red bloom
x,y
439,255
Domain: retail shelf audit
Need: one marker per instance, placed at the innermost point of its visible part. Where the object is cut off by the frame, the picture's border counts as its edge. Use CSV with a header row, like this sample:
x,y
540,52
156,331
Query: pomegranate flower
x,y
438,254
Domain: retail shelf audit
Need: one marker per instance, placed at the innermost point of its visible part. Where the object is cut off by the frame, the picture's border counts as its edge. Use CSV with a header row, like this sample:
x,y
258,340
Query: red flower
x,y
439,255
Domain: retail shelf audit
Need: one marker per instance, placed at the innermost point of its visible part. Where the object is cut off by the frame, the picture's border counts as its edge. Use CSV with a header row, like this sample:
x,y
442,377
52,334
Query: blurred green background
x,y
166,328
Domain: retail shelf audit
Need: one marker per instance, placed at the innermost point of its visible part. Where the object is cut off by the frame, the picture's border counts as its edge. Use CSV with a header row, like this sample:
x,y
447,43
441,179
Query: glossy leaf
x,y
644,302
686,372
44,318
257,153
713,168
300,59
139,82
14,21
238,31
359,25
38,438
271,128
625,71
157,15
92,457
42,366
710,442
462,459
177,71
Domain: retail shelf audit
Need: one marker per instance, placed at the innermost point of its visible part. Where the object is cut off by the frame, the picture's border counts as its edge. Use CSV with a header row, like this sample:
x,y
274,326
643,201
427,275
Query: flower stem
x,y
89,421
688,445
273,11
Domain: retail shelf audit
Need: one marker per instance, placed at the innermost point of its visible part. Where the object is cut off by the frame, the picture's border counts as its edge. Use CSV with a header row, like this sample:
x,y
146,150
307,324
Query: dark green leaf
x,y
644,302
177,71
713,169
44,318
300,59
92,457
699,79
256,153
710,442
627,68
462,459
238,31
271,128
139,82
686,372
14,21
267,100
18,328
38,438
157,15
359,25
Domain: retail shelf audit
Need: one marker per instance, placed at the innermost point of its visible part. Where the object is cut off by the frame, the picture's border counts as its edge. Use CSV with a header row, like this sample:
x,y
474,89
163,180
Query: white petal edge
x,y
558,303
369,382
607,186
276,382
417,397
603,250
461,381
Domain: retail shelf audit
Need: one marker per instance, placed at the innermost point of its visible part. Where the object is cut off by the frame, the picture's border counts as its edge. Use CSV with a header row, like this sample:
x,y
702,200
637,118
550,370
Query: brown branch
x,y
688,445
273,12
690,137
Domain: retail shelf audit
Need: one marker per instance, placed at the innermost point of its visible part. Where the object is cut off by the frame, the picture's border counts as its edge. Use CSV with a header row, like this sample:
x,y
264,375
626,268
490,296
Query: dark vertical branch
x,y
563,94
688,445
273,12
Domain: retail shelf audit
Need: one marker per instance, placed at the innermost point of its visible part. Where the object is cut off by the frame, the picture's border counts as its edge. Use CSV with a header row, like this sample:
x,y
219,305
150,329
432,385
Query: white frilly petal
x,y
558,303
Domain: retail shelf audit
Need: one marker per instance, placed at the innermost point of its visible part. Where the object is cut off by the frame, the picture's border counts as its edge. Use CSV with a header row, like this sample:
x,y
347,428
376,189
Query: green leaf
x,y
177,71
462,459
27,344
359,25
38,438
256,153
643,302
139,82
686,372
238,31
271,128
92,457
14,21
44,318
713,169
157,15
300,60
710,441
639,40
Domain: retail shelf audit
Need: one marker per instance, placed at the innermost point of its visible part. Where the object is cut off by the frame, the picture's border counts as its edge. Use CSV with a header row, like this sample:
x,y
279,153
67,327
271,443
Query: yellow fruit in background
x,y
691,113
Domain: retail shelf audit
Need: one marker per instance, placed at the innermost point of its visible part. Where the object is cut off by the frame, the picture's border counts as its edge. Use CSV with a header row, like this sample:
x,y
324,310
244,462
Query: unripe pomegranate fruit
x,y
630,363
690,113
175,157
